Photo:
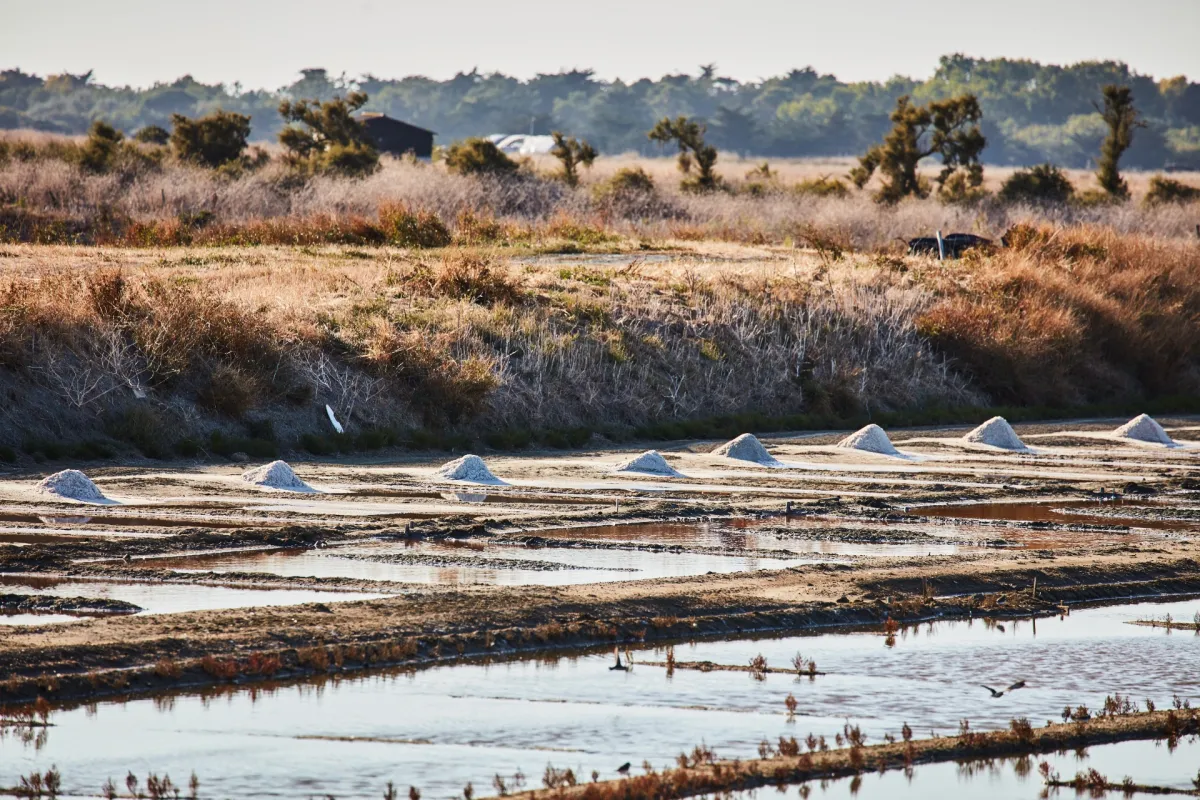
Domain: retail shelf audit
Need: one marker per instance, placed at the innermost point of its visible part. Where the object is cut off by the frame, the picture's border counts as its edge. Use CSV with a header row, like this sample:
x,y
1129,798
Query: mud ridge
x,y
702,774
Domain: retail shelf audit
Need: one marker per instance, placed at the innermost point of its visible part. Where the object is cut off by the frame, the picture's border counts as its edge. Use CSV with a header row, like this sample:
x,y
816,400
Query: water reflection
x,y
440,728
1146,762
549,566
162,598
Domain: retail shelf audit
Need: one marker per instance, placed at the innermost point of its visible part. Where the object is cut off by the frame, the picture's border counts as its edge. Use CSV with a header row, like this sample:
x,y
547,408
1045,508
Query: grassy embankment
x,y
178,351
220,314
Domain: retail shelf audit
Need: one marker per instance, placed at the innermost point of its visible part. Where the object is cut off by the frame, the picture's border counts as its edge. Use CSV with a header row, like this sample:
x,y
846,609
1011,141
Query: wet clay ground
x,y
566,551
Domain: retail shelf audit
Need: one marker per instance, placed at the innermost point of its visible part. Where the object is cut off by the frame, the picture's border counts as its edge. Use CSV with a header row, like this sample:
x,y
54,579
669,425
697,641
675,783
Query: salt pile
x,y
1143,428
71,484
996,432
871,439
469,469
746,447
650,462
276,475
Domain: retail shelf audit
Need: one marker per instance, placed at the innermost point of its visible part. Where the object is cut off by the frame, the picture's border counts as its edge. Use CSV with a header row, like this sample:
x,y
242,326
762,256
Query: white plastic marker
x,y
337,426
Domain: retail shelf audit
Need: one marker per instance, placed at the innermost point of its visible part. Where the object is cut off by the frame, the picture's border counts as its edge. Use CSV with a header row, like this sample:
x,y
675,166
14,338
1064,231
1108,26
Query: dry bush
x,y
424,367
466,276
407,227
1076,315
51,199
230,390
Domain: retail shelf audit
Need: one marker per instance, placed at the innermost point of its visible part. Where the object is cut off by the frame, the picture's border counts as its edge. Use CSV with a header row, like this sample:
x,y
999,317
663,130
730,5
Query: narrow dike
x,y
78,673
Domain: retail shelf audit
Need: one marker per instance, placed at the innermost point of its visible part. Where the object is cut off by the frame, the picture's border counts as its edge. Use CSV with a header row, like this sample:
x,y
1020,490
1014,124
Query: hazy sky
x,y
263,43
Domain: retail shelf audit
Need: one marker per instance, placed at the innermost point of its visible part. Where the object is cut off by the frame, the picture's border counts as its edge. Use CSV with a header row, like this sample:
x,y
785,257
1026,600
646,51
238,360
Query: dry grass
x,y
53,201
175,349
214,336
1072,315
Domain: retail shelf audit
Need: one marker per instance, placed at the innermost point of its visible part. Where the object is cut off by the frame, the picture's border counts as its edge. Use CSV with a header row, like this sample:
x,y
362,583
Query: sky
x,y
264,43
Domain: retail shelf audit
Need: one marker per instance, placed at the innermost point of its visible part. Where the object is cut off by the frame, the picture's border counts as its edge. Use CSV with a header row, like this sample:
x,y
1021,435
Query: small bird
x,y
1012,688
1000,628
624,768
619,665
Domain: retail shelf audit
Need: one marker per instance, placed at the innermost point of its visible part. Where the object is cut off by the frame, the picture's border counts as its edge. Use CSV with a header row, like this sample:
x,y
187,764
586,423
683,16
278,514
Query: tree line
x,y
1030,112
326,137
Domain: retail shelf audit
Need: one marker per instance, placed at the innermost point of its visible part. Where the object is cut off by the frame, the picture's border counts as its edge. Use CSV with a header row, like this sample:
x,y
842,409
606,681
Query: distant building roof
x,y
522,143
372,115
397,137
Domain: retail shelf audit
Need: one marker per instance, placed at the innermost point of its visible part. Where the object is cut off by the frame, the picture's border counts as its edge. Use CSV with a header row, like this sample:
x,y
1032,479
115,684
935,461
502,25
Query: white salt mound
x,y
746,447
71,484
997,433
276,475
871,439
470,469
1143,428
650,462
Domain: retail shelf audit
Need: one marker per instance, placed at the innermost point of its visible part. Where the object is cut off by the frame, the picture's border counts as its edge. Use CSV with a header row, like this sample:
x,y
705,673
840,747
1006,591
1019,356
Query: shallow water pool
x,y
162,598
443,727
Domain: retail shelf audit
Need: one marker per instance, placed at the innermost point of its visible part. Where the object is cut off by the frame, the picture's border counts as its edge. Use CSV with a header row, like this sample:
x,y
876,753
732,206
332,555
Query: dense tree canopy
x,y
1032,113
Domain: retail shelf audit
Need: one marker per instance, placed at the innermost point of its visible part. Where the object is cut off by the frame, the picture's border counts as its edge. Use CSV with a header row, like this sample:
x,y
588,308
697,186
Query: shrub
x,y
1121,118
823,186
630,192
229,390
1044,184
152,134
630,180
212,141
946,128
959,190
1167,190
407,228
466,276
440,385
477,156
331,140
102,148
688,134
571,153
143,426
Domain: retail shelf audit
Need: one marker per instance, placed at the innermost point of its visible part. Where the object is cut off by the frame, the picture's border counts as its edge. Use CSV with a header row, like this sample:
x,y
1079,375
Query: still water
x,y
440,728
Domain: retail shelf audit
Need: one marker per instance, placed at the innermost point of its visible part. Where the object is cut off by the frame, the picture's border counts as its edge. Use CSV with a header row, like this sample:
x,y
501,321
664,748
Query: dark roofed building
x,y
396,137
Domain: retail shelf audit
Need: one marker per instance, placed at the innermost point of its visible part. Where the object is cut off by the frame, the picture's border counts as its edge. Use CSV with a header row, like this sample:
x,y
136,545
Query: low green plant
x,y
210,141
102,148
822,186
1167,190
478,156
1044,184
153,134
326,137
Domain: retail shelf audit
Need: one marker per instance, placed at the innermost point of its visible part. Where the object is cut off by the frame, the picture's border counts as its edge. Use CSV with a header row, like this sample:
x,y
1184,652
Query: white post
x,y
941,247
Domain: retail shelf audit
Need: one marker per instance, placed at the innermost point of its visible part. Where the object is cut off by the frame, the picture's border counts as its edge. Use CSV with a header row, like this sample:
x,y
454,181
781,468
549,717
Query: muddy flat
x,y
818,523
934,569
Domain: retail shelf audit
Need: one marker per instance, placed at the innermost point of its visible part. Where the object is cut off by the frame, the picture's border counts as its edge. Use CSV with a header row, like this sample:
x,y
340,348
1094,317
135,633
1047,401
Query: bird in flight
x,y
624,768
1001,693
